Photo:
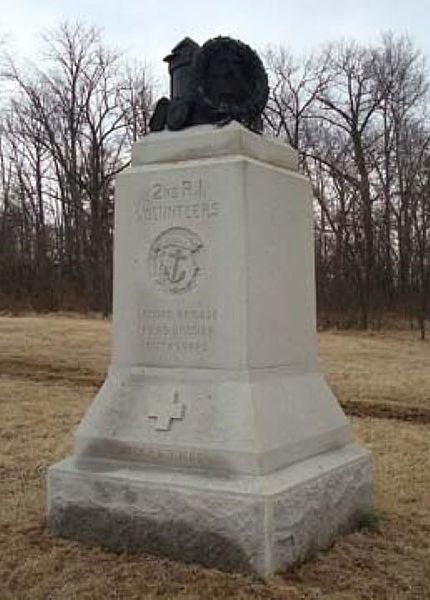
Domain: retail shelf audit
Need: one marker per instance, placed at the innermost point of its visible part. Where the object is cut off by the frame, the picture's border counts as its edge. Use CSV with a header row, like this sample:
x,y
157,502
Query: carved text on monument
x,y
183,189
183,330
178,199
167,456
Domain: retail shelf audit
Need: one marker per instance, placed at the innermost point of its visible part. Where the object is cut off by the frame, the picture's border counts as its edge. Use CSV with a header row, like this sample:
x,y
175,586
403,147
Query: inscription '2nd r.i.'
x,y
184,189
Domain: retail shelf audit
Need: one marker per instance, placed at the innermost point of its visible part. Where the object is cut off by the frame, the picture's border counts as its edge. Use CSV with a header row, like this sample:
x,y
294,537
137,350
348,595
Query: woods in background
x,y
65,133
357,115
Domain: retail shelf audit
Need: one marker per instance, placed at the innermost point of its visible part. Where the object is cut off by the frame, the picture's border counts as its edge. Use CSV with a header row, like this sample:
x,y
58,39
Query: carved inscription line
x,y
167,456
186,198
183,189
203,210
200,314
189,330
173,330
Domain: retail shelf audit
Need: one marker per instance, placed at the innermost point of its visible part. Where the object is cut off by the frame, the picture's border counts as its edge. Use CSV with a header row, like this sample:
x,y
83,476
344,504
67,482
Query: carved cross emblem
x,y
164,411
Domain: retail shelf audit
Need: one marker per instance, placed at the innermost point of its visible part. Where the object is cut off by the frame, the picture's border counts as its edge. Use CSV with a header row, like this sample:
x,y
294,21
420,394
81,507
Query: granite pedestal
x,y
215,438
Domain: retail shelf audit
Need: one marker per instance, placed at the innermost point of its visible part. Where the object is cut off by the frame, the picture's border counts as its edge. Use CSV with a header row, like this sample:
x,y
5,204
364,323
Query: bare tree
x,y
76,118
356,113
348,111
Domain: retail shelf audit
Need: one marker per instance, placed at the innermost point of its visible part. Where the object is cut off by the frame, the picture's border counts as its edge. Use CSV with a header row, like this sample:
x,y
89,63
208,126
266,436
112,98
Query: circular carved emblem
x,y
174,260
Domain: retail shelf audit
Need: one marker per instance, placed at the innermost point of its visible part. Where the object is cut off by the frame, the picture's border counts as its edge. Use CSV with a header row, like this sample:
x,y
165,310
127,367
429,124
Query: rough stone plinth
x,y
256,524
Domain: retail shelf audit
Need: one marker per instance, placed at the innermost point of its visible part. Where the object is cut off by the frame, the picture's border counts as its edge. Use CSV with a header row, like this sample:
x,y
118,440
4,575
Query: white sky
x,y
148,29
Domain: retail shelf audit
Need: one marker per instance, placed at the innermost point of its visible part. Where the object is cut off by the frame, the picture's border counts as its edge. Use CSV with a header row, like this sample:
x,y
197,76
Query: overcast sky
x,y
150,28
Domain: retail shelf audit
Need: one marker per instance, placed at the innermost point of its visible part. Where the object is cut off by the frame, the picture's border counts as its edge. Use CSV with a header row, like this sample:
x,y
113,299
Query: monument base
x,y
257,524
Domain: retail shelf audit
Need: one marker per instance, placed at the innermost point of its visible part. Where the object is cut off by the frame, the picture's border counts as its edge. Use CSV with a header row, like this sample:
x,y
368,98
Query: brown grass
x,y
54,348
385,367
49,372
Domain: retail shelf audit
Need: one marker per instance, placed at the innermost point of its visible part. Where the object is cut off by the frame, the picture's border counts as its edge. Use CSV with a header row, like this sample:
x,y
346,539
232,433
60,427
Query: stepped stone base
x,y
256,524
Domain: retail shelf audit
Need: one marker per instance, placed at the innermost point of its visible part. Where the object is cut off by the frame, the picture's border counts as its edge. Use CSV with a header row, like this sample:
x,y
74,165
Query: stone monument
x,y
215,438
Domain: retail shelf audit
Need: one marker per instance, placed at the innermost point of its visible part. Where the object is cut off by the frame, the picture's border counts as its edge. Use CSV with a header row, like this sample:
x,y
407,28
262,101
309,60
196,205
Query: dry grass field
x,y
50,368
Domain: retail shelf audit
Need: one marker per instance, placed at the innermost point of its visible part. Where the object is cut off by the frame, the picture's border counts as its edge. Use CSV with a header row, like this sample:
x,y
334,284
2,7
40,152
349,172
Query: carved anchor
x,y
164,411
173,276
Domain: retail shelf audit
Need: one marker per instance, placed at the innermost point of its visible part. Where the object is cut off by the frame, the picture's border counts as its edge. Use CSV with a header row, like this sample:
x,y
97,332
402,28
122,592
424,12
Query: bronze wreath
x,y
249,101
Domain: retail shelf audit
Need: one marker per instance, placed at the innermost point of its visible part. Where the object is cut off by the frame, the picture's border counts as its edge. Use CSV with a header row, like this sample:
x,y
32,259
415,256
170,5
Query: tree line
x,y
65,133
356,113
358,116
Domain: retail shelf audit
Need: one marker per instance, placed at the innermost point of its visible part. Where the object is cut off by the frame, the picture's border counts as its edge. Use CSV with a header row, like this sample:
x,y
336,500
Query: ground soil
x,y
50,369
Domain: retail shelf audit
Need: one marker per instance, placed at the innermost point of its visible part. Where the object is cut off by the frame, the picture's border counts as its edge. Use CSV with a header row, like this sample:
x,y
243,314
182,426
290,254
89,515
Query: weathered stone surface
x,y
253,524
231,421
234,231
214,438
210,141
